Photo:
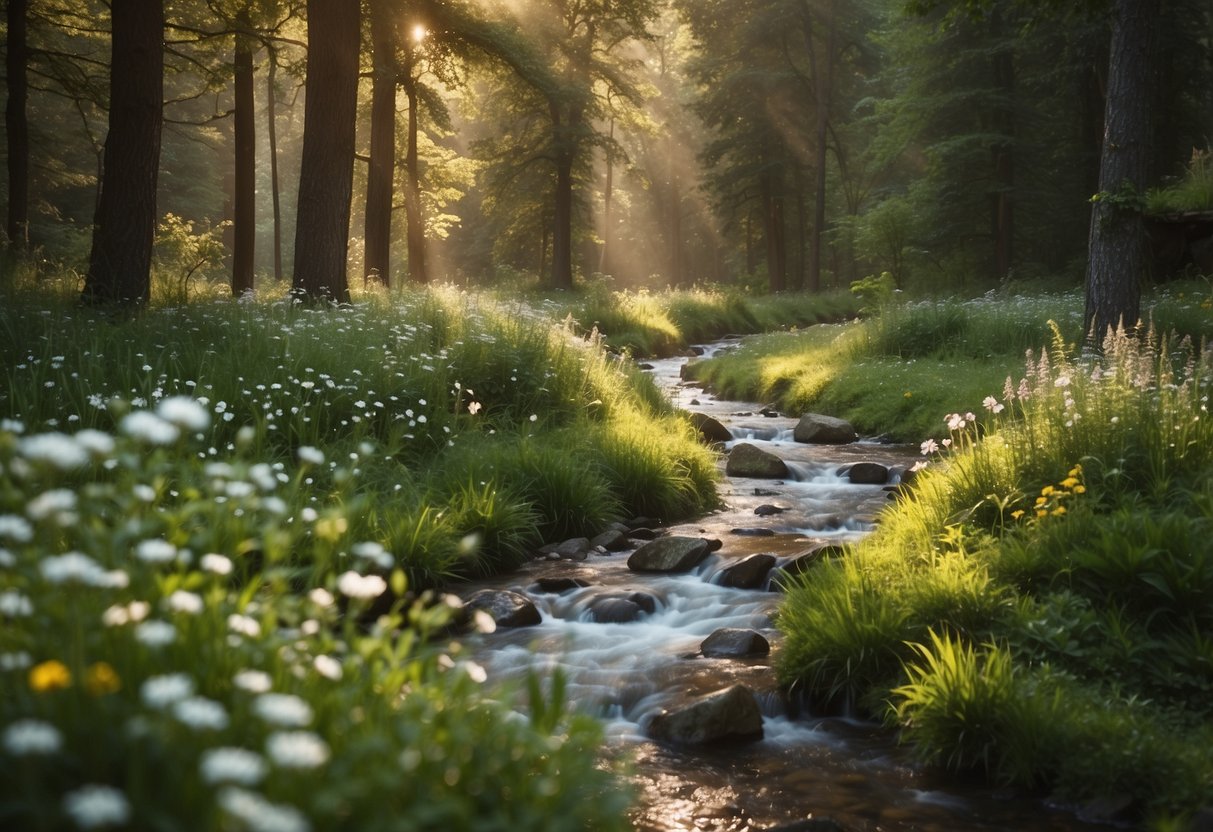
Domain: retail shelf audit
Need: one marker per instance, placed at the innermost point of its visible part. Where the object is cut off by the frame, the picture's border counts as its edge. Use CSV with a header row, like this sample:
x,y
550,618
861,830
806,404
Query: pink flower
x,y
929,447
991,404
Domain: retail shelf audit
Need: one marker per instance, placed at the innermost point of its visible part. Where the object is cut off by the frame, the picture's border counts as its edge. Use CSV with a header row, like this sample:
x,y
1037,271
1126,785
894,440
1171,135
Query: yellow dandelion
x,y
48,676
101,679
1040,501
1017,513
1080,489
1069,482
1040,512
1076,471
908,394
1059,511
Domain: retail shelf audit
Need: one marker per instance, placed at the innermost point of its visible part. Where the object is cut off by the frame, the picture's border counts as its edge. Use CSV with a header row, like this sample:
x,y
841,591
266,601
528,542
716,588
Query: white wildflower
x,y
283,709
244,625
930,446
260,815
16,529
57,501
184,412
31,736
95,807
19,660
155,550
155,633
216,564
200,713
182,601
147,427
232,765
310,455
373,552
57,449
253,681
353,585
15,605
95,442
76,567
296,749
160,692
321,597
328,667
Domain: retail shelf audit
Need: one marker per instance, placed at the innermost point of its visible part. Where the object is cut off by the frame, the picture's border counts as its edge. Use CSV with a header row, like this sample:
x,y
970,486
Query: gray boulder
x,y
817,429
575,548
622,608
710,429
731,643
748,573
508,609
746,460
729,715
613,540
669,554
868,473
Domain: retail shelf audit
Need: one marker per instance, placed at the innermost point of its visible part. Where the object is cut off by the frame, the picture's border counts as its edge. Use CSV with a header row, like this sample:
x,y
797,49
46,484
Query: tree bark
x,y
17,126
244,227
326,175
414,216
125,225
271,120
1003,219
1118,252
382,170
777,250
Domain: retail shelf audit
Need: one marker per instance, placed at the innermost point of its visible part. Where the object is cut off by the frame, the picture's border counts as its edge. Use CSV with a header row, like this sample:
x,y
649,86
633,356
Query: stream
x,y
849,771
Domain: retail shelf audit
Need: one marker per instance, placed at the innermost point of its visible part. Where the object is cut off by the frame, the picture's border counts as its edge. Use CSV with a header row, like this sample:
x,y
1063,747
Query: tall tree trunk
x,y
272,96
608,194
244,227
326,174
414,217
381,173
1003,219
124,228
823,89
562,225
777,250
1118,252
17,126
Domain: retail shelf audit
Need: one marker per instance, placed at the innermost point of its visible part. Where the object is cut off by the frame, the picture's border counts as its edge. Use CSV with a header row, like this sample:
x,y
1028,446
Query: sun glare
x,y
419,33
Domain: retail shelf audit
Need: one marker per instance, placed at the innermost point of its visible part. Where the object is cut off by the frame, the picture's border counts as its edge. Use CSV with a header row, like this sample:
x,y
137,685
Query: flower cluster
x,y
1053,498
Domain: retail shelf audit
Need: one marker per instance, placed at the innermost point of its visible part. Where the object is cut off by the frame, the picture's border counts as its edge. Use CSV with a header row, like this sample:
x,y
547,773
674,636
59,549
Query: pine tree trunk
x,y
414,217
1118,252
777,250
1003,219
17,126
271,120
326,174
562,227
382,170
244,227
124,228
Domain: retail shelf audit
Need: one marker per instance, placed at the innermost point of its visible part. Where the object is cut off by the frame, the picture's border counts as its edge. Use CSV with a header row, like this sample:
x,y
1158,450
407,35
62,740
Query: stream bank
x,y
842,773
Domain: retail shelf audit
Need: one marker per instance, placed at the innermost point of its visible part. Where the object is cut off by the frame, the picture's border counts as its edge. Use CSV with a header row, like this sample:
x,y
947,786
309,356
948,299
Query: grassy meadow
x,y
1037,607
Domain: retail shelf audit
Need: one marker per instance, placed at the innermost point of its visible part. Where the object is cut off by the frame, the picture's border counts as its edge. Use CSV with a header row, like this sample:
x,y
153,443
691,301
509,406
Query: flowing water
x,y
804,767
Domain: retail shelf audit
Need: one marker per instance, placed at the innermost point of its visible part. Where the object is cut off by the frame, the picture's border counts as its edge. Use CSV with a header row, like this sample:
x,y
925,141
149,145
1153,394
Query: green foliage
x,y
874,291
1044,586
1193,192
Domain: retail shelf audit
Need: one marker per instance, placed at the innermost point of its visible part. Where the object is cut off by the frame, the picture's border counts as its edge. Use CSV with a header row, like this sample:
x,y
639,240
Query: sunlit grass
x,y
1039,605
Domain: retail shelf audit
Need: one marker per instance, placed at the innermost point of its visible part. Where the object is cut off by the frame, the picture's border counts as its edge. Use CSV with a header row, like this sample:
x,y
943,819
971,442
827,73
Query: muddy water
x,y
805,767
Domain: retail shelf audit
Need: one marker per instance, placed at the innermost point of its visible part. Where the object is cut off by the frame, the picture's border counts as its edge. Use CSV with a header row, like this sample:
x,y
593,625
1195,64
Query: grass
x,y
224,530
1039,606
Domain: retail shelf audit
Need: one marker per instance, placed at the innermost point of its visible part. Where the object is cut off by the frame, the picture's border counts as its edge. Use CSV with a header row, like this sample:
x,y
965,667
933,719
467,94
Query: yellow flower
x,y
1076,471
48,676
1080,489
1059,511
1069,482
1015,515
1040,512
909,395
101,679
1040,501
1047,490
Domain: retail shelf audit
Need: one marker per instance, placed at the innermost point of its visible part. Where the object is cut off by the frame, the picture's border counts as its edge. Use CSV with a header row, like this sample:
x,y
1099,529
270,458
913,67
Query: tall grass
x,y
1053,555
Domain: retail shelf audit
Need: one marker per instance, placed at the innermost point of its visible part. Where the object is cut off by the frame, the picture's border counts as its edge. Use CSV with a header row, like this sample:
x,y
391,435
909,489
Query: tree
x,y
326,172
17,126
1117,259
382,167
245,222
120,262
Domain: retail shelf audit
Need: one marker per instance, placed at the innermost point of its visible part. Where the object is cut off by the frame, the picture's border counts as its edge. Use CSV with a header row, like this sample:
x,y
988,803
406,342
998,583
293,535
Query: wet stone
x,y
612,540
814,428
753,532
765,492
868,473
729,715
560,584
669,554
575,548
748,573
622,609
710,429
768,510
746,460
508,609
644,534
732,643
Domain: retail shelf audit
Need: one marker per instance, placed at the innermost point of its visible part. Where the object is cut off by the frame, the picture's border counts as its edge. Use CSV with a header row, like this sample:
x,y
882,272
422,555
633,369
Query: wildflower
x,y
49,675
232,765
929,447
353,585
149,428
993,405
57,449
534,417
253,681
1060,510
260,815
330,668
155,551
1015,515
101,679
155,633
184,412
94,807
57,501
95,442
182,601
244,625
15,661
1080,489
16,529
321,597
200,713
474,407
216,564
310,455
955,421
907,394
31,736
1062,381
283,709
296,749
373,552
160,692
15,605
